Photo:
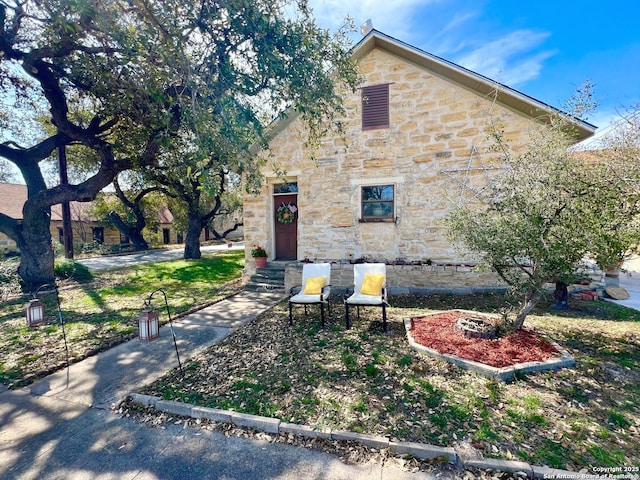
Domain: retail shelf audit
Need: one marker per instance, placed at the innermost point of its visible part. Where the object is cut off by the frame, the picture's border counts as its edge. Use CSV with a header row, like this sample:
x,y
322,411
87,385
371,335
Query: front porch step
x,y
269,278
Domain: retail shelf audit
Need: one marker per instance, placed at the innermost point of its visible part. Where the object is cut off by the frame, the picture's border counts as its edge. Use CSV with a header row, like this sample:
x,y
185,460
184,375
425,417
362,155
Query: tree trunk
x,y
134,233
36,252
531,301
138,241
192,240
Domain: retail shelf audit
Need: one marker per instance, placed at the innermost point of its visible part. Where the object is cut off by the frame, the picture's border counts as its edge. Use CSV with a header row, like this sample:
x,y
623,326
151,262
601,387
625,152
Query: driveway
x,y
630,281
117,261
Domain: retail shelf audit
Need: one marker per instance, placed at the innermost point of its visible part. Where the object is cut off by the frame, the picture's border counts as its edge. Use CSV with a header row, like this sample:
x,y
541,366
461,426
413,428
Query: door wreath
x,y
286,214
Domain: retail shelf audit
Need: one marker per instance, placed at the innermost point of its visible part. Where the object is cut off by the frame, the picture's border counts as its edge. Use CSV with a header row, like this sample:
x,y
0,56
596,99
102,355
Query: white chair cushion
x,y
302,298
359,299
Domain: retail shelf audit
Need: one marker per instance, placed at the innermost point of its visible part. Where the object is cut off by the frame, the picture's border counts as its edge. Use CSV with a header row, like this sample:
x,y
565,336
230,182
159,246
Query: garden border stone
x,y
425,451
418,450
304,430
265,424
503,374
509,466
369,440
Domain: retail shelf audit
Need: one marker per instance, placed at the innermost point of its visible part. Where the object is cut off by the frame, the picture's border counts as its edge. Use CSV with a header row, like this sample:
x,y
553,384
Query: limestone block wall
x,y
435,153
411,279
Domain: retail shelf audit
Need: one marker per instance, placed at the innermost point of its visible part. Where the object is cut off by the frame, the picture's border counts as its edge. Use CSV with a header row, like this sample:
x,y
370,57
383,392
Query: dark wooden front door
x,y
286,233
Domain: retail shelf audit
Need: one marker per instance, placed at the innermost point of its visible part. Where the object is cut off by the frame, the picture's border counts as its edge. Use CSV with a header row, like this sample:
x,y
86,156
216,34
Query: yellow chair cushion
x,y
372,284
314,285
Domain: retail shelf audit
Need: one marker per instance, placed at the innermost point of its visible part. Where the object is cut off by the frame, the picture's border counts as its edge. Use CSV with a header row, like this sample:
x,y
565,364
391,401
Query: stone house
x,y
414,146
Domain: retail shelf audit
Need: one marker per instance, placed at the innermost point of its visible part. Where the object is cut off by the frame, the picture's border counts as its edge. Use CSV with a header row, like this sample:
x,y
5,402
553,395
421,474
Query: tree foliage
x,y
70,57
133,83
550,209
250,61
616,211
6,175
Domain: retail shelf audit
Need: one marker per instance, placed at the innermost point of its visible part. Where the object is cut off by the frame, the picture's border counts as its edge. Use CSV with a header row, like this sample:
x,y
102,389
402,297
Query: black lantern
x,y
148,327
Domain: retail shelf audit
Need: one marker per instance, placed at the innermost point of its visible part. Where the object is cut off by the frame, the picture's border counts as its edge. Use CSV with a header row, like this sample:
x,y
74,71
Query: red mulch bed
x,y
439,333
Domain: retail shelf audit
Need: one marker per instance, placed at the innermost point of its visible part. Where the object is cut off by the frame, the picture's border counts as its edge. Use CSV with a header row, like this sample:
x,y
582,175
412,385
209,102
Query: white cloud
x,y
508,59
447,28
457,20
393,17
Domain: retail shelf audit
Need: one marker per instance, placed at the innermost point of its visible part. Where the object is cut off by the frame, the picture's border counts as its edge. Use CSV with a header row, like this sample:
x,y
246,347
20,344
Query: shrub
x,y
69,269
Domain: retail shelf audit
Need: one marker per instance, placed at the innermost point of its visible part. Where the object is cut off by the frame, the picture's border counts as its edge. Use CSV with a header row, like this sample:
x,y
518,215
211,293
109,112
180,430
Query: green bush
x,y
69,269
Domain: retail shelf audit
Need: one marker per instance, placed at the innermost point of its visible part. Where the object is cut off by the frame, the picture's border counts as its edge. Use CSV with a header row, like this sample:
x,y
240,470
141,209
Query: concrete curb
x,y
419,450
503,374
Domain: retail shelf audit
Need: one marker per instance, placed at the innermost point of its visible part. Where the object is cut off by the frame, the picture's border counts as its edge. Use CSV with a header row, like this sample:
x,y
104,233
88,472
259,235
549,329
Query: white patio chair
x,y
315,289
370,289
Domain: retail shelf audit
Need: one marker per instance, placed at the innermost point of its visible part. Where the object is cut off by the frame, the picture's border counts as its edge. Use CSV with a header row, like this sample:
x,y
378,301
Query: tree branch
x,y
9,226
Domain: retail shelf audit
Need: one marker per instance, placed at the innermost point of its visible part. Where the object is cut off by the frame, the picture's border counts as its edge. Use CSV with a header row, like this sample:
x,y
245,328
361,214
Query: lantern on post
x,y
149,321
35,312
148,328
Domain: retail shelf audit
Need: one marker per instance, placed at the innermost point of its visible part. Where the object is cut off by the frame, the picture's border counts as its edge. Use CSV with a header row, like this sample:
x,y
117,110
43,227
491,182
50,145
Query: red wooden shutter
x,y
375,107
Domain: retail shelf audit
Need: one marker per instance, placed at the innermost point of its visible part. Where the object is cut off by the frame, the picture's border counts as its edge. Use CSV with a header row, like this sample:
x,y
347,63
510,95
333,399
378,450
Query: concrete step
x,y
269,278
267,275
266,283
264,287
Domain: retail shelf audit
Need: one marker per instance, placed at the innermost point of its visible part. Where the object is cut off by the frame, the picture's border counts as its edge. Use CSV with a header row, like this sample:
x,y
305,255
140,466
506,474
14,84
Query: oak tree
x,y
140,84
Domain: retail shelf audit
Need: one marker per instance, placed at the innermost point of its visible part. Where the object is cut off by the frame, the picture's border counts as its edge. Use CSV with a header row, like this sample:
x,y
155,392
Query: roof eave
x,y
474,81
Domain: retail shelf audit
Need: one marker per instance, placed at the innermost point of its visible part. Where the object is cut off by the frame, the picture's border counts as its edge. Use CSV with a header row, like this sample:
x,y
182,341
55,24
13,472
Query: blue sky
x,y
543,48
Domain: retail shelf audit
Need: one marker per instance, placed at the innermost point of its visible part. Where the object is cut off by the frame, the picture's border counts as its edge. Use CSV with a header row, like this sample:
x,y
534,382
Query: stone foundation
x,y
412,279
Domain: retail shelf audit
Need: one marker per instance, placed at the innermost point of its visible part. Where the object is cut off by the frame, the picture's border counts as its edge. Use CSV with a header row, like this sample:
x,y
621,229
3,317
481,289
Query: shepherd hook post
x,y
175,343
60,316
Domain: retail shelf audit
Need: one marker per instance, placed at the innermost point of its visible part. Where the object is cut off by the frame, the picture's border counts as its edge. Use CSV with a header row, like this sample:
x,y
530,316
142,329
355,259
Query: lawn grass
x,y
366,381
104,312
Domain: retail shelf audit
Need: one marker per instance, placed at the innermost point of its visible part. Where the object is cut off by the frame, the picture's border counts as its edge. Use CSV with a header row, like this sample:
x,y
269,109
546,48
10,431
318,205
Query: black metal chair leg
x,y
305,310
346,315
290,314
358,311
384,316
322,313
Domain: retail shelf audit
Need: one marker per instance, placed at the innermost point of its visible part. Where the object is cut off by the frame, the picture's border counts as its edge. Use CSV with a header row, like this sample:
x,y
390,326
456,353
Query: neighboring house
x,y
414,146
86,228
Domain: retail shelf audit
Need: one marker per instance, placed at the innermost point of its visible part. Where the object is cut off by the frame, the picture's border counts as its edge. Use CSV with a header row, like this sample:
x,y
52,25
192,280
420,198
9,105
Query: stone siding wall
x,y
437,130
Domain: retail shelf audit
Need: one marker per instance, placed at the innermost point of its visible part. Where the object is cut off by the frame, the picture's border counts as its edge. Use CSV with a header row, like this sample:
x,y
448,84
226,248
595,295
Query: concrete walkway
x,y
61,427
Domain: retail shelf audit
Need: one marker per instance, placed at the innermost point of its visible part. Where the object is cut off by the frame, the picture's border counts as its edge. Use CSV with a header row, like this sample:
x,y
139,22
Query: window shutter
x,y
375,107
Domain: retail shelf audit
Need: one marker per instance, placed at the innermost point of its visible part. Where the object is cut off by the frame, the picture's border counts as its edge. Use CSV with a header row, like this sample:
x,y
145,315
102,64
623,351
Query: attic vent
x,y
375,106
